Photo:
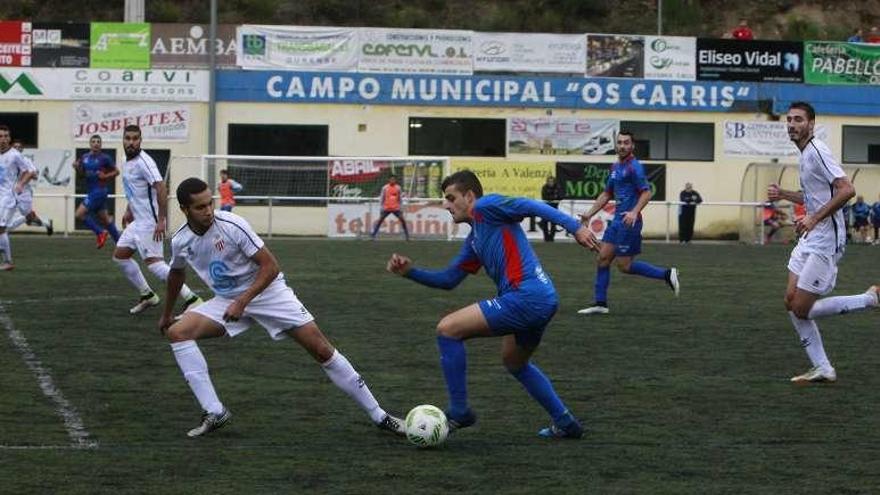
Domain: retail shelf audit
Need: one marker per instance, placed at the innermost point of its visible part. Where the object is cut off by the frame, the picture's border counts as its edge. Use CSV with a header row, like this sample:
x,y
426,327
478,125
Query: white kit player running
x,y
145,216
15,174
25,200
812,266
249,288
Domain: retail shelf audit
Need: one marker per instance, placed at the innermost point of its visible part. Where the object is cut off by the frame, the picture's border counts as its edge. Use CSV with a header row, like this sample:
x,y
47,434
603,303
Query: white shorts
x,y
817,272
10,203
140,239
276,309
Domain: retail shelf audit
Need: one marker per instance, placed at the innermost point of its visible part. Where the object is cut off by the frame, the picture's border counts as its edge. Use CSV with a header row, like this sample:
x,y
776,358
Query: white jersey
x,y
818,170
12,165
138,176
222,255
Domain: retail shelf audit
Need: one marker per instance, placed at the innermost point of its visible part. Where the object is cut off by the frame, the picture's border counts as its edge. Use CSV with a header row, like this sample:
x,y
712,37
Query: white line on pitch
x,y
44,447
50,300
77,432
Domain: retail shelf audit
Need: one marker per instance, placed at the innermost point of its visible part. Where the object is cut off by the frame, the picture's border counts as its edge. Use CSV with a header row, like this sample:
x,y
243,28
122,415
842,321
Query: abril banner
x,y
828,62
425,51
740,60
297,48
587,180
15,44
59,44
507,177
120,45
186,45
615,55
561,136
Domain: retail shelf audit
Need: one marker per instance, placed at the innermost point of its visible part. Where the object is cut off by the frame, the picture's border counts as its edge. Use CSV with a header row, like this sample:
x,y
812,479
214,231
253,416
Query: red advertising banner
x,y
15,44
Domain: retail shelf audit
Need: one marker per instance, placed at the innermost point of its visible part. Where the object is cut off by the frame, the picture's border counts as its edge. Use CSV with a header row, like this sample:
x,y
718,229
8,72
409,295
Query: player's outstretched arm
x,y
269,270
176,278
448,278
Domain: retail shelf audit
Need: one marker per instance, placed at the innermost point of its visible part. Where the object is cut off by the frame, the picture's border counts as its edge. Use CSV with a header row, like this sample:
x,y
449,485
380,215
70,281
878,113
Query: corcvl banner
x,y
297,48
761,138
526,52
425,51
561,136
158,122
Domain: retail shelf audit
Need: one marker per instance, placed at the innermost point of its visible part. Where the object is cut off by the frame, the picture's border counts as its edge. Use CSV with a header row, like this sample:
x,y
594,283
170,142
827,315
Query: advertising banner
x,y
526,52
741,60
357,219
158,122
15,44
424,51
762,138
364,178
485,91
59,44
120,45
186,46
297,48
615,55
670,57
106,84
561,136
587,180
828,62
509,178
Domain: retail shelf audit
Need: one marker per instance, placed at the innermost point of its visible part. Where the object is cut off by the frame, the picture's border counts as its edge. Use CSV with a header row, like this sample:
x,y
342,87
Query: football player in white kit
x,y
145,216
249,288
812,266
25,200
15,174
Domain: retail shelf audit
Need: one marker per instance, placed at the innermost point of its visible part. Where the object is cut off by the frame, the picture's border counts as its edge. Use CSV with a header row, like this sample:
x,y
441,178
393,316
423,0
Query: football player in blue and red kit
x,y
525,303
98,169
629,187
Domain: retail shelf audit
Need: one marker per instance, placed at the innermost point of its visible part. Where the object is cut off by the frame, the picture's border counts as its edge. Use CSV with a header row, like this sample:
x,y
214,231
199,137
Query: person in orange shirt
x,y
390,200
227,189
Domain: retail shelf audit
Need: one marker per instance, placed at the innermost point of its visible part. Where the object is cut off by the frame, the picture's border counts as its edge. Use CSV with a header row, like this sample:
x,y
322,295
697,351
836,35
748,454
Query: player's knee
x,y
177,333
800,310
158,268
446,328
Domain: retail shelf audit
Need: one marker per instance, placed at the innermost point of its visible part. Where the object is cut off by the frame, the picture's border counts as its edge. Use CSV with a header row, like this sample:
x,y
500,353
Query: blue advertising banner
x,y
482,91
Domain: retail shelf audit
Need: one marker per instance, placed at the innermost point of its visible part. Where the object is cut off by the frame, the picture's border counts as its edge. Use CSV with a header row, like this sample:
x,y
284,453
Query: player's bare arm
x,y
23,179
162,199
176,279
584,236
268,271
630,217
108,174
600,203
843,192
399,264
775,193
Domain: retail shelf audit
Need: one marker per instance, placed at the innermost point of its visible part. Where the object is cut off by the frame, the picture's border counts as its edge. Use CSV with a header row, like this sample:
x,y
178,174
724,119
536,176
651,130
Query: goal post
x,y
334,196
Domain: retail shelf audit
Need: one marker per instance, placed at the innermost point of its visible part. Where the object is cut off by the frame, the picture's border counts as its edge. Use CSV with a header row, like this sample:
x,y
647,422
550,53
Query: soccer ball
x,y
426,426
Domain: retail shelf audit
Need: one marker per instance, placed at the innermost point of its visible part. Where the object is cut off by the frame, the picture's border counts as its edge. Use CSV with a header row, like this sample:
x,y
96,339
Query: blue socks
x,y
91,224
113,232
539,388
453,360
648,270
603,279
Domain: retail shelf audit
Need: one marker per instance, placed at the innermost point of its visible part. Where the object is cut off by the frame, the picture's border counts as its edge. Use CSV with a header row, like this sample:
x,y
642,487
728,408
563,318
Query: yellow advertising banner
x,y
508,177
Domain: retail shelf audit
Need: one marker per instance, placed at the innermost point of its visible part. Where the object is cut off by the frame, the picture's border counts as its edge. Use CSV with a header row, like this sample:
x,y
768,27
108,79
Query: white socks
x,y
349,381
6,247
161,269
811,340
195,369
134,275
842,304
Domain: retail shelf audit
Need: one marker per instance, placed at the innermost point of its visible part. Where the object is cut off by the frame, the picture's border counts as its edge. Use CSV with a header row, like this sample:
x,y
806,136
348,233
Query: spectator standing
x,y
687,212
875,220
873,35
743,31
552,194
857,36
860,212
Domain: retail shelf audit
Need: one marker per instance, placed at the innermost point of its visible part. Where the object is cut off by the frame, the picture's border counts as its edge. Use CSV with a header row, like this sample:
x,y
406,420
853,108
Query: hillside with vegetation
x,y
770,19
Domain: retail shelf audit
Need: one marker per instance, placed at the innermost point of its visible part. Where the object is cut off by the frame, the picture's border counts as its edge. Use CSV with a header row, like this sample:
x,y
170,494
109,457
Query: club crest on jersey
x,y
218,243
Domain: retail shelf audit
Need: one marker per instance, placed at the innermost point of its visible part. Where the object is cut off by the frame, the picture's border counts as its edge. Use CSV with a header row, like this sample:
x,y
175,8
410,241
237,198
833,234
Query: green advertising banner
x,y
120,45
587,180
830,62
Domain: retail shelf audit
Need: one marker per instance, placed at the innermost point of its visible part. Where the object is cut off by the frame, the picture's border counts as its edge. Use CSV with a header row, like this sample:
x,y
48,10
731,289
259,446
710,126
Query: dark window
x,y
861,143
672,140
278,178
22,126
457,137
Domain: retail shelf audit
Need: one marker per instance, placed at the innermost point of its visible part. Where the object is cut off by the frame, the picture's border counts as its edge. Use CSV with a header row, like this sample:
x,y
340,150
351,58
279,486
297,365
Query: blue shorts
x,y
524,314
96,201
627,240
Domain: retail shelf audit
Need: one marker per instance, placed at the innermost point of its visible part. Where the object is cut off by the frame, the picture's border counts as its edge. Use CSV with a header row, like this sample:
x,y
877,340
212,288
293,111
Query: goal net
x,y
335,196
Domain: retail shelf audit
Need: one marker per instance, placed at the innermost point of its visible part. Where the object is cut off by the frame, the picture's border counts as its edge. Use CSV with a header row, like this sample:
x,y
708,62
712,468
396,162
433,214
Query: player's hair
x,y
464,181
632,137
187,188
19,141
4,127
132,128
93,136
802,105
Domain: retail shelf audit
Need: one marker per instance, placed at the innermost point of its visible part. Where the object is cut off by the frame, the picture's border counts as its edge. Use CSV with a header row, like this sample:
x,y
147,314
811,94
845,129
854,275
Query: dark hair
x,y
806,107
4,127
19,141
632,137
132,128
187,188
224,171
464,181
93,136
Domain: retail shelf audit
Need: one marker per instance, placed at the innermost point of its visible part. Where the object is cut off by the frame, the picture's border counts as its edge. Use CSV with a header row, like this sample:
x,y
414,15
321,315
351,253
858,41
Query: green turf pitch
x,y
687,395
